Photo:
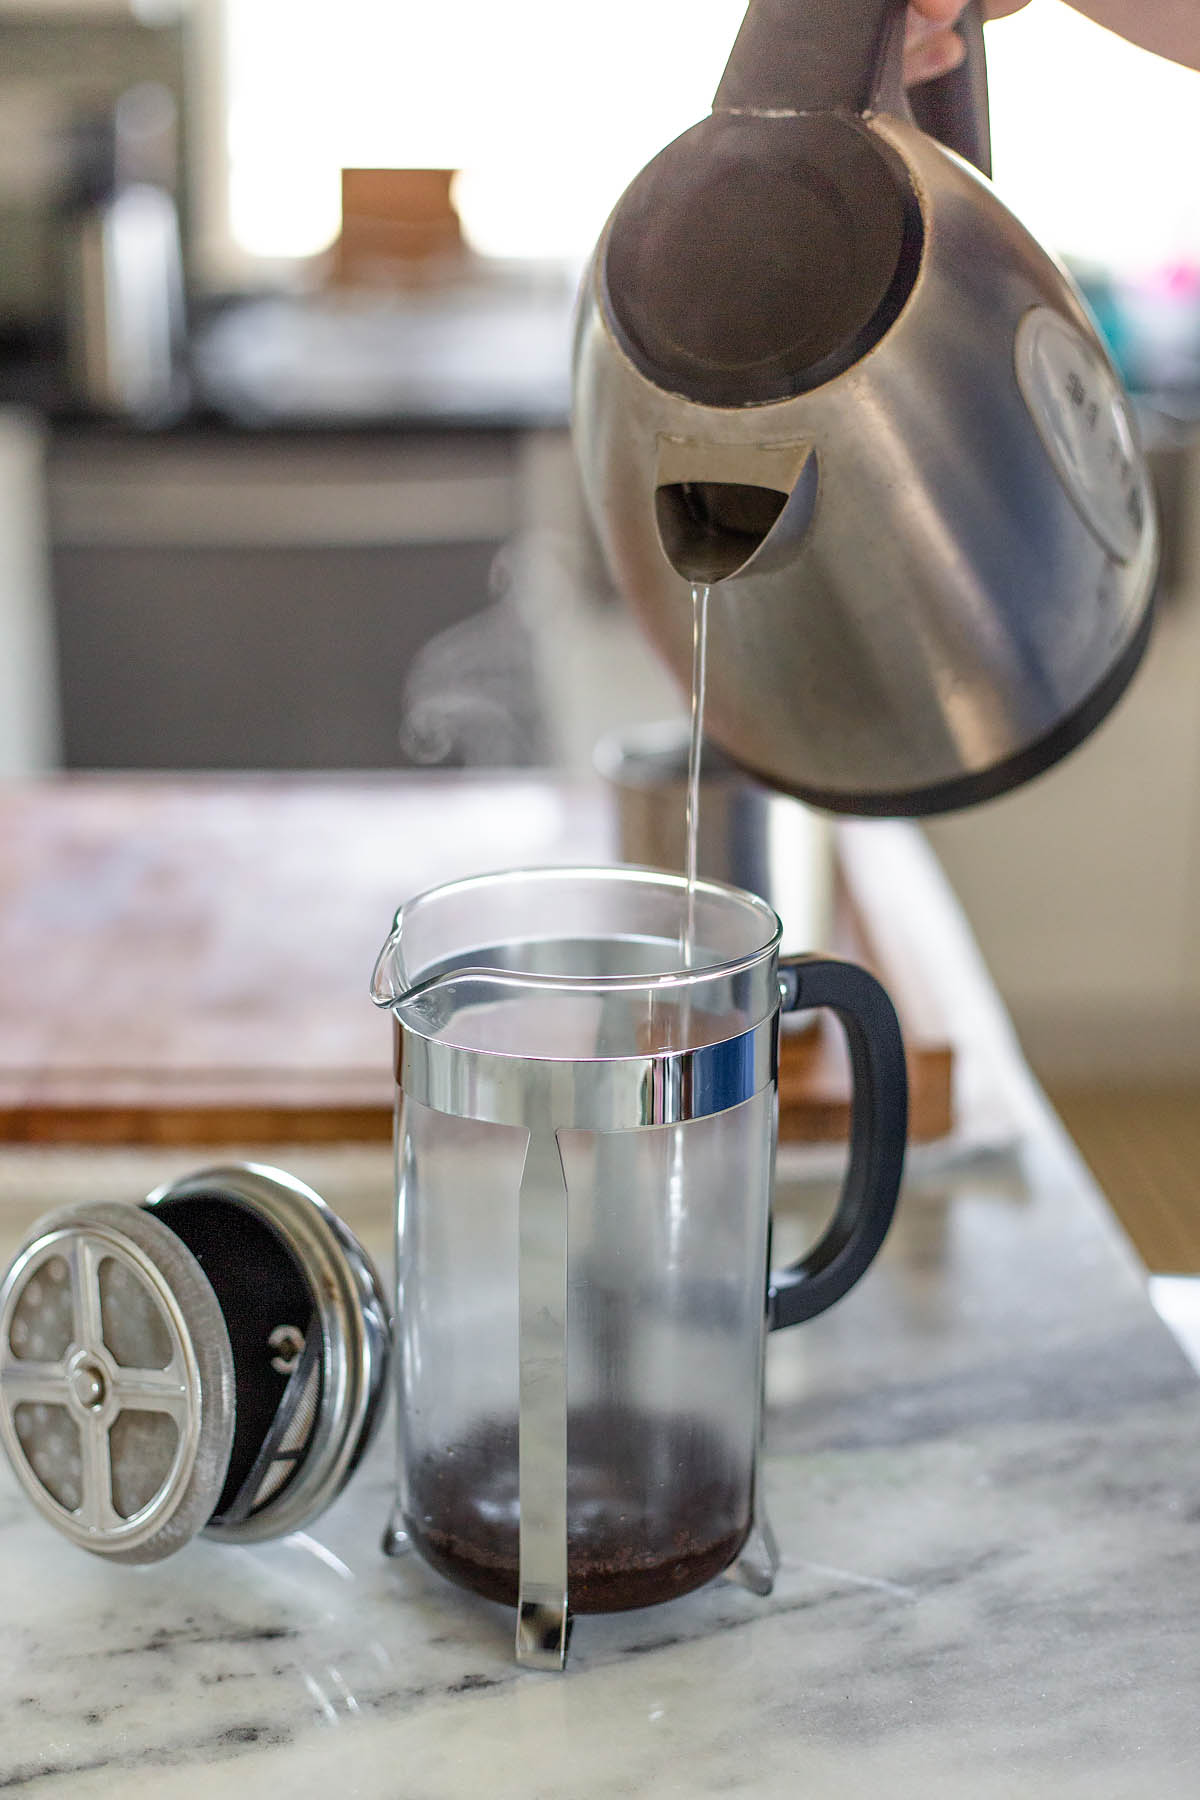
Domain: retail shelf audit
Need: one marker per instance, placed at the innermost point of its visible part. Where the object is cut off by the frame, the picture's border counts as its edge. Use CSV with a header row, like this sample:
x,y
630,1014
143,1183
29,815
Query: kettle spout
x,y
725,510
711,529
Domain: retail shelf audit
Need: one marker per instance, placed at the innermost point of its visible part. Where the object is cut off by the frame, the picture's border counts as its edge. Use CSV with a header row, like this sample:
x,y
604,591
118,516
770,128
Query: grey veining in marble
x,y
984,1473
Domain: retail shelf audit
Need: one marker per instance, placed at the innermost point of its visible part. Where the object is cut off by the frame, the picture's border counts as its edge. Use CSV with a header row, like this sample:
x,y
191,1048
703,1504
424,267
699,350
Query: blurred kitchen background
x,y
285,476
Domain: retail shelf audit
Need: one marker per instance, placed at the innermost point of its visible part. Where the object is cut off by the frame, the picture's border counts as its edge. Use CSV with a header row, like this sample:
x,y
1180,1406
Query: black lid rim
x,y
736,387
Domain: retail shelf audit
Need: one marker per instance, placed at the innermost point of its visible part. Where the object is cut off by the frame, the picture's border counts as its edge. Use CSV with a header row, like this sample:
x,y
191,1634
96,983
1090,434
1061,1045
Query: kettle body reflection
x,y
819,363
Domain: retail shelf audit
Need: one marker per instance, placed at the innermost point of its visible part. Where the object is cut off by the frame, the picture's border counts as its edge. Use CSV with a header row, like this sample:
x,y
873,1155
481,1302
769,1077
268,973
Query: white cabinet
x,y
28,684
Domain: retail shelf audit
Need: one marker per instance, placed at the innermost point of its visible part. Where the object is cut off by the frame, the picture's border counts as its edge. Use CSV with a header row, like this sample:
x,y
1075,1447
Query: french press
x,y
586,1076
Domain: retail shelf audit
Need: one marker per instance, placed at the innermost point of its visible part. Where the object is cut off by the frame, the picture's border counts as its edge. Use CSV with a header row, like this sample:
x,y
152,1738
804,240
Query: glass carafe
x,y
586,1071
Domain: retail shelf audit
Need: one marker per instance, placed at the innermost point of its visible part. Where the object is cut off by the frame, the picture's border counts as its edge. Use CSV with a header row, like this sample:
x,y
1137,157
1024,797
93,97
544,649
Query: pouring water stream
x,y
700,593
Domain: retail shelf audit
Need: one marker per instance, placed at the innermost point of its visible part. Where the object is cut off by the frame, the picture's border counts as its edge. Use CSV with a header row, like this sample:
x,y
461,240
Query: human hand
x,y
931,45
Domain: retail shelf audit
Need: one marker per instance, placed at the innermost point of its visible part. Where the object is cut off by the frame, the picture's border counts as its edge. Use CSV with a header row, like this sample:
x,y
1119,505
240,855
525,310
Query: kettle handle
x,y
954,108
847,56
878,1133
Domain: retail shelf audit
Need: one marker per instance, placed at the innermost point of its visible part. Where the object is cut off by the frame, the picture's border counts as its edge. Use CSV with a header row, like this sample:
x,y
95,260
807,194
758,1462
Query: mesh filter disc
x,y
116,1382
293,1443
307,1319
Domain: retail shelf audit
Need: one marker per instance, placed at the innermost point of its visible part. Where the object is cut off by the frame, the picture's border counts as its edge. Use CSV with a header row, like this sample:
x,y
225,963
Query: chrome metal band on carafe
x,y
545,1097
622,1093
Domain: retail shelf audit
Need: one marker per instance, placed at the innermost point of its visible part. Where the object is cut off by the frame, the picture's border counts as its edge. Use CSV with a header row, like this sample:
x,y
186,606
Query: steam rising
x,y
472,697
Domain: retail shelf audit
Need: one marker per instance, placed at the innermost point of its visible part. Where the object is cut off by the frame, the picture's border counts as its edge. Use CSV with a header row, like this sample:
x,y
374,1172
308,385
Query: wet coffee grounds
x,y
655,1508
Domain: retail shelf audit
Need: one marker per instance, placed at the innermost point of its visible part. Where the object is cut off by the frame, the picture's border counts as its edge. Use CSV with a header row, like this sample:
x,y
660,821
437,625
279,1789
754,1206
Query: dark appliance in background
x,y
93,215
262,599
121,262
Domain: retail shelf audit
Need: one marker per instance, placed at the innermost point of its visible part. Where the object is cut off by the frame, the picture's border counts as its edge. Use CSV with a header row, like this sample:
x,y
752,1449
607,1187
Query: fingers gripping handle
x,y
878,1129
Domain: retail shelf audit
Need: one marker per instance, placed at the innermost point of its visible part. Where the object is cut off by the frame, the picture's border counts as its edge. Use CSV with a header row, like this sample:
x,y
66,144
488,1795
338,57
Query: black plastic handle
x,y
954,107
847,56
878,1132
811,55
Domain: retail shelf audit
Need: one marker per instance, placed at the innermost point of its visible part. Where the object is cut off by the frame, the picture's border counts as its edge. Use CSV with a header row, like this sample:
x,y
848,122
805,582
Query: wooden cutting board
x,y
185,960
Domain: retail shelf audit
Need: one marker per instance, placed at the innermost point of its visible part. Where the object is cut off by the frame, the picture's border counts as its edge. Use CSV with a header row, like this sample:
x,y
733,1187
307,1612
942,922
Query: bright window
x,y
1096,142
548,108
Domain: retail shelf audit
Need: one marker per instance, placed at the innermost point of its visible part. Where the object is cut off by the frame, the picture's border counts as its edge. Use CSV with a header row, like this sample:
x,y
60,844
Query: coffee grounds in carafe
x,y
655,1508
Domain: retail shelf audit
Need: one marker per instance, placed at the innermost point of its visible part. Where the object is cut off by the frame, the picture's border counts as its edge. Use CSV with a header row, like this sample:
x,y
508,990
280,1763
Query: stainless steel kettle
x,y
819,363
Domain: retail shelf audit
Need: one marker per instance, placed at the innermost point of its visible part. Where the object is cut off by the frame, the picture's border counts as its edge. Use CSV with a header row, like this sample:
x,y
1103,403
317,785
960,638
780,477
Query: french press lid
x,y
213,1359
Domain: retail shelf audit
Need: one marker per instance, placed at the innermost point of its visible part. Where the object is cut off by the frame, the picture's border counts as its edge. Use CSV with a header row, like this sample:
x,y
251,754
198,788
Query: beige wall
x,y
1084,887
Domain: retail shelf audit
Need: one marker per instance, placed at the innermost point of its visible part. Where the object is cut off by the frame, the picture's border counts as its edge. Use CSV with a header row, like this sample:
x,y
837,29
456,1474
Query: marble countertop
x,y
983,1468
